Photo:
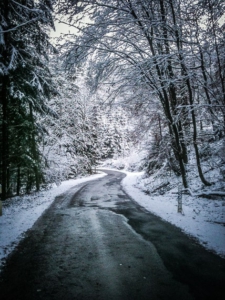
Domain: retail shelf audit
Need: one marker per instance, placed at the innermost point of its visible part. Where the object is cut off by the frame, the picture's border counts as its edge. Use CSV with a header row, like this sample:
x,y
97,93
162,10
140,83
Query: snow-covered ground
x,y
203,219
20,213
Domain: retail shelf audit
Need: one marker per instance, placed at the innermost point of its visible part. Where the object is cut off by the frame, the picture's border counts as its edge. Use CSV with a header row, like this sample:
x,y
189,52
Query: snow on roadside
x,y
202,218
20,213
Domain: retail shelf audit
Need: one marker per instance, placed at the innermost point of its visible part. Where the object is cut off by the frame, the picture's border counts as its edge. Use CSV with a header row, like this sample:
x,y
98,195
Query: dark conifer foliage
x,y
25,84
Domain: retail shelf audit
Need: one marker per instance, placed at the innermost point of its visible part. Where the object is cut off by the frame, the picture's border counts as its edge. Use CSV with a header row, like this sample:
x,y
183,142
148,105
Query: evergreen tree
x,y
25,83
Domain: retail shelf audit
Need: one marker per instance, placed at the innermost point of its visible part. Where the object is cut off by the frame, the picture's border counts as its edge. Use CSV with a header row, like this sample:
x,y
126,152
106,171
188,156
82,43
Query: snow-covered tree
x,y
25,84
85,131
156,46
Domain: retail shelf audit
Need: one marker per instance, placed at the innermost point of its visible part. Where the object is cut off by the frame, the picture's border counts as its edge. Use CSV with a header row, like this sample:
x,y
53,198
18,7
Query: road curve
x,y
99,244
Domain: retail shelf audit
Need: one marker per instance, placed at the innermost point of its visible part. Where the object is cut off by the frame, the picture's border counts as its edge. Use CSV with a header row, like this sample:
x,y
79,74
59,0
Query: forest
x,y
130,75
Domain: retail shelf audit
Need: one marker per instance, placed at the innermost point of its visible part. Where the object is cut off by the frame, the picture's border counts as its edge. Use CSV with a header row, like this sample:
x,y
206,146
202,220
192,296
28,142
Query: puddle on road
x,y
100,195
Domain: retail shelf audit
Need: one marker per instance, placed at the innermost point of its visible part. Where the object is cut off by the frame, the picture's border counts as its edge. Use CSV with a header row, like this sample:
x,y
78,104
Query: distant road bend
x,y
97,243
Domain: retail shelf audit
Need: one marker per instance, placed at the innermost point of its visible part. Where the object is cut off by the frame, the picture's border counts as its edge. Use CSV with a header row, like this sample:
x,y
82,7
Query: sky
x,y
61,28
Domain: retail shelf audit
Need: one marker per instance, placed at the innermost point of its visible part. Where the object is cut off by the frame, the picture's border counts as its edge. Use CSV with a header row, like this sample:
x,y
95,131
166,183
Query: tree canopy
x,y
65,107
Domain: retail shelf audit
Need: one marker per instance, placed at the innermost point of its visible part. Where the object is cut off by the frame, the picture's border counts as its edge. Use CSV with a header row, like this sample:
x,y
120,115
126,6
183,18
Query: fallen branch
x,y
159,187
205,194
189,191
210,194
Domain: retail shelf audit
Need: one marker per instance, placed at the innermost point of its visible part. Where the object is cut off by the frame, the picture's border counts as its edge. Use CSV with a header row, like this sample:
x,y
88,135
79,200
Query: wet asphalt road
x,y
99,244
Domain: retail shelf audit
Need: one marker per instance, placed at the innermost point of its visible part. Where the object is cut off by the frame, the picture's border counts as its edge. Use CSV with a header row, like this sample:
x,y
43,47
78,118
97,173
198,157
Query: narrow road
x,y
97,243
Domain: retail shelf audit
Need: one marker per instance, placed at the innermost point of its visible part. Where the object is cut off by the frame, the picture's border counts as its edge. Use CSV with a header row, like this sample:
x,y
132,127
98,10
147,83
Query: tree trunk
x,y
18,185
4,158
160,127
197,152
29,182
190,95
34,152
